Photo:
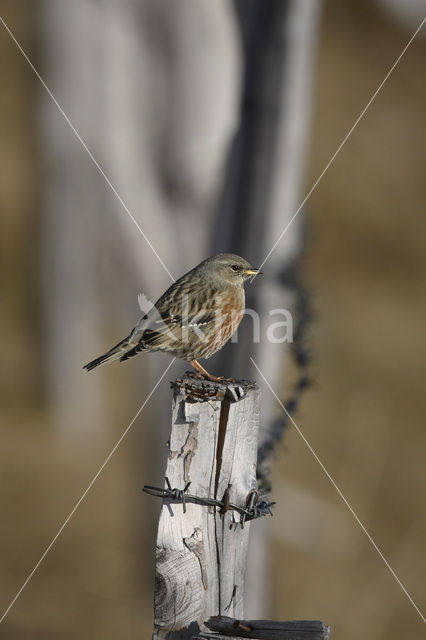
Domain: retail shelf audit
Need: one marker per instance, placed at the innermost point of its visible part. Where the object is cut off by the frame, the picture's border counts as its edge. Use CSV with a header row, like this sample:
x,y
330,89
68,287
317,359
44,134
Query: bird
x,y
194,318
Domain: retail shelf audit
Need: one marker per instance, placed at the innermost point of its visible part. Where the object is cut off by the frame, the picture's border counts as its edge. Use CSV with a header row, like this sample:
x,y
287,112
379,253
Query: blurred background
x,y
212,121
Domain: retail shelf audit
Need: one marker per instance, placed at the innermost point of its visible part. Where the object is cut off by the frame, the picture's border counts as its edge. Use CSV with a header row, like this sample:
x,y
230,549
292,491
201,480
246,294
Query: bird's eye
x,y
235,267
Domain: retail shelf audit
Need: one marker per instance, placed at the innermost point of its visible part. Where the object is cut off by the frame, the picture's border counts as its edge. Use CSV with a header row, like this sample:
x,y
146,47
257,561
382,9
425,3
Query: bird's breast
x,y
230,311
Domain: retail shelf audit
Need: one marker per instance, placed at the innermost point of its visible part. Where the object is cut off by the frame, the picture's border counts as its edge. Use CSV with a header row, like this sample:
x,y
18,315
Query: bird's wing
x,y
170,331
177,314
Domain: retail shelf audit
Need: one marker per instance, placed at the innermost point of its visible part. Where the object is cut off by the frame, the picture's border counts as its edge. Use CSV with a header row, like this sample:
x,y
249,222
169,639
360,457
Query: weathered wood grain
x,y
227,627
201,554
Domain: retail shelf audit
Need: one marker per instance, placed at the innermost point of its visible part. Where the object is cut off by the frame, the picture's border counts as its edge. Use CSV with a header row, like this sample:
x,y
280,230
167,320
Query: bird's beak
x,y
252,272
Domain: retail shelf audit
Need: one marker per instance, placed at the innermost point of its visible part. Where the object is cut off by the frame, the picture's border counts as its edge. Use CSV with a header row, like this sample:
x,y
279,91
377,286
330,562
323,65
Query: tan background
x,y
365,265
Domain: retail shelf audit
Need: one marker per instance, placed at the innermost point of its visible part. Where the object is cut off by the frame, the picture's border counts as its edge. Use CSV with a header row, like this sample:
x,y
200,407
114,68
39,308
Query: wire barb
x,y
256,505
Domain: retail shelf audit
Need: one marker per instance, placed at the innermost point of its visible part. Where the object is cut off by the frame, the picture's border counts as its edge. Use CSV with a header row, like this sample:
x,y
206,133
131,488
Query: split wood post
x,y
201,554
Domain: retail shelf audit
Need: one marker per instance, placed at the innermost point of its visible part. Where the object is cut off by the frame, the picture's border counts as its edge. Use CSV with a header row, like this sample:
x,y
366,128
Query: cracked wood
x,y
201,555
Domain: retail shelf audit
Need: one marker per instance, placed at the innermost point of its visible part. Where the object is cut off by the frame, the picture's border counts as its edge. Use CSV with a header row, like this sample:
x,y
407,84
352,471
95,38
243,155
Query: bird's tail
x,y
115,353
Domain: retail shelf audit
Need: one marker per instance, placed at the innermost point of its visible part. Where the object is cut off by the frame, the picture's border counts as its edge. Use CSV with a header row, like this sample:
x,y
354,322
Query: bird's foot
x,y
203,373
215,378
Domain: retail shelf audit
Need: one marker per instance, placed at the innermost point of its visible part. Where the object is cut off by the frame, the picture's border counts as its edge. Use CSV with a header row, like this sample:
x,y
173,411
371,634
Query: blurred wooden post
x,y
201,554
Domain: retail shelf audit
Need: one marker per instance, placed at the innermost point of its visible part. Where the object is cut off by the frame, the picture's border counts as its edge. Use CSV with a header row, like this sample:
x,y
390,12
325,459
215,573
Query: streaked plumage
x,y
194,318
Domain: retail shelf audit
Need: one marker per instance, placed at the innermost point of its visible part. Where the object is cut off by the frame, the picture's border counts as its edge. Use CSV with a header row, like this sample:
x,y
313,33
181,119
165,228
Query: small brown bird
x,y
194,318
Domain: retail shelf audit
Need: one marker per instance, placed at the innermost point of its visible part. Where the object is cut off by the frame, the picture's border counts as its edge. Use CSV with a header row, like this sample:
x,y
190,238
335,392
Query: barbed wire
x,y
256,505
291,278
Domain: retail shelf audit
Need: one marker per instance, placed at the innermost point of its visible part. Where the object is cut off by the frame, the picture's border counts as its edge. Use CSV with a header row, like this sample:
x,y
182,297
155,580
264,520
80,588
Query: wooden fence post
x,y
201,554
210,490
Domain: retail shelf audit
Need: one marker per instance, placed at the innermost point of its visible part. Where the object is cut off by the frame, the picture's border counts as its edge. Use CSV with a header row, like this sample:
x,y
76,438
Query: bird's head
x,y
229,267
